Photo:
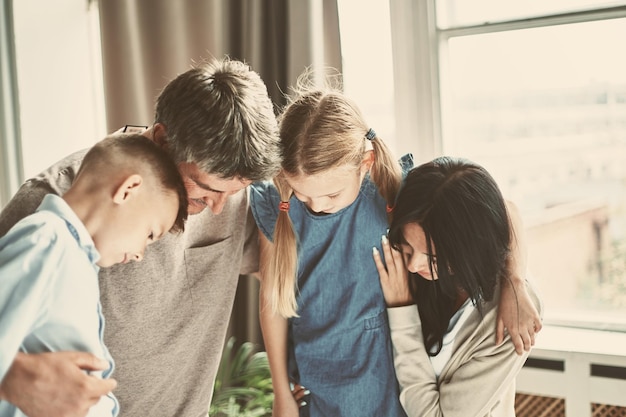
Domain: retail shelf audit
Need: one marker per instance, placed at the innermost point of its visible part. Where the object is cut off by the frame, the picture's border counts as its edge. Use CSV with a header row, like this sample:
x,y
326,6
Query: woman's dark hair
x,y
463,214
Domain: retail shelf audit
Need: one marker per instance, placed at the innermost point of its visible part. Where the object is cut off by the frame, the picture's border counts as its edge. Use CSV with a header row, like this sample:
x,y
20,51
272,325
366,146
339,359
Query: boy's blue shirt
x,y
49,294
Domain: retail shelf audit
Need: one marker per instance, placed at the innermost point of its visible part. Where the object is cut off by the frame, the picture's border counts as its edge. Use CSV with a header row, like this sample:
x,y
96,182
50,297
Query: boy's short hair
x,y
219,116
133,151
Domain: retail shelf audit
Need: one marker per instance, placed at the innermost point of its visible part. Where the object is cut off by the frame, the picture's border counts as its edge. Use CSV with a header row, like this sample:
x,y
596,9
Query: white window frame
x,y
419,50
420,67
11,167
415,51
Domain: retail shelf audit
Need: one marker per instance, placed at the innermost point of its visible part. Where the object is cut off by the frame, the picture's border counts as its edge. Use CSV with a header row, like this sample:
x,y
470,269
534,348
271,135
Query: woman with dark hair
x,y
452,232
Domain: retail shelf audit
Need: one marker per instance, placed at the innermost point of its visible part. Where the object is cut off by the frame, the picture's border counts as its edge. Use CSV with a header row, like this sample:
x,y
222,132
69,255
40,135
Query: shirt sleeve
x,y
415,374
250,260
406,163
264,200
475,385
26,272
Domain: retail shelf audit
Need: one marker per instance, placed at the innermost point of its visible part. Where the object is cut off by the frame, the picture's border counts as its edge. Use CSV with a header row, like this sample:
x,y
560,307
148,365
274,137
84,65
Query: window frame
x,y
419,50
11,166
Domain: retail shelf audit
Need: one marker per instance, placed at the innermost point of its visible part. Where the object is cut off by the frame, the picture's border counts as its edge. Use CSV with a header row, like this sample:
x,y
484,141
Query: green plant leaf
x,y
243,384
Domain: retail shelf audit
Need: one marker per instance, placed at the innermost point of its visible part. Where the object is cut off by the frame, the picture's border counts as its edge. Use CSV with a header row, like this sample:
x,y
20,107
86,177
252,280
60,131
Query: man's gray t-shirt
x,y
167,316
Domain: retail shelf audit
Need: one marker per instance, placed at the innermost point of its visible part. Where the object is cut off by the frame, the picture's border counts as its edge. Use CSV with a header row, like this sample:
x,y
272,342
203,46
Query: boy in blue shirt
x,y
127,194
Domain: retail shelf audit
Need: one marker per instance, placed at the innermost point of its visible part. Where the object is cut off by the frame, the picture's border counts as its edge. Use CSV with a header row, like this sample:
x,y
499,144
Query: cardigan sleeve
x,y
475,382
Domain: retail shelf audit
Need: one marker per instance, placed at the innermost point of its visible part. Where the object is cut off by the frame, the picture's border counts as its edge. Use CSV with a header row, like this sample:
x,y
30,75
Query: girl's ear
x,y
129,187
368,160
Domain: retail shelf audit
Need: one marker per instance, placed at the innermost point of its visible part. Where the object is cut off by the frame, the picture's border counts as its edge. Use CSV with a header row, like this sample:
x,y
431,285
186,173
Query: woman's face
x,y
415,252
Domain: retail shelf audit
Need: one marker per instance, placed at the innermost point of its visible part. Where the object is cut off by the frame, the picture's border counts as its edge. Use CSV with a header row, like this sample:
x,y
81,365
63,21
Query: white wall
x,y
59,75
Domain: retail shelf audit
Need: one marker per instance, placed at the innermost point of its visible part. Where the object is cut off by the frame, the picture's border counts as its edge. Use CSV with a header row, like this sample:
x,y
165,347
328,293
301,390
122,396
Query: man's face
x,y
208,190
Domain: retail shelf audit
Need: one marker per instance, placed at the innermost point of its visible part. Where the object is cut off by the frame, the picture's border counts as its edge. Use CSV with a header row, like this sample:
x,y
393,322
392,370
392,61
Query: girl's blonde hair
x,y
320,129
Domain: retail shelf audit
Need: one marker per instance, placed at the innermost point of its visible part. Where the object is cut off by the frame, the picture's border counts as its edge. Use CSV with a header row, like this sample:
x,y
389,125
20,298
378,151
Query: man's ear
x,y
127,189
159,134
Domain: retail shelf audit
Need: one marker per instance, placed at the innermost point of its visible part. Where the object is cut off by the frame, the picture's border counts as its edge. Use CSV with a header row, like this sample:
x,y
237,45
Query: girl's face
x,y
415,252
331,190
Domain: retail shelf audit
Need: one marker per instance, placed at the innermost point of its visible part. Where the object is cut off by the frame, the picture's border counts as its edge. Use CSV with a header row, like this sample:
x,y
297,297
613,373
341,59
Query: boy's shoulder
x,y
39,228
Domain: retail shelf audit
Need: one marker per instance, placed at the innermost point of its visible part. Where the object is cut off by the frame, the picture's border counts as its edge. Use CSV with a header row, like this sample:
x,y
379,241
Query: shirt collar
x,y
57,205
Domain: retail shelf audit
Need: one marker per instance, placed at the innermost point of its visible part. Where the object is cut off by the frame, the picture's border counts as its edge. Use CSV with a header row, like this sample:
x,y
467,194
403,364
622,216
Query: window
x,y
536,93
59,76
367,63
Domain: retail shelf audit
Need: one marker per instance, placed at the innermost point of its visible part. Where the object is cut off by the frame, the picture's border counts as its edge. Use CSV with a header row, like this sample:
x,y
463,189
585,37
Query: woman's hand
x,y
393,278
299,392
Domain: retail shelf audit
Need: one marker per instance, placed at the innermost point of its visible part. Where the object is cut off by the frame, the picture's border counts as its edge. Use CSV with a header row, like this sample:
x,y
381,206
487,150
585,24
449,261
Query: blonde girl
x,y
320,294
322,311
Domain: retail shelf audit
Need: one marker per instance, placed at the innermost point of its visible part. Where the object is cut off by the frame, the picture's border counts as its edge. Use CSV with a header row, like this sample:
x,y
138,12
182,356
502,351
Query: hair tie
x,y
389,208
283,206
370,135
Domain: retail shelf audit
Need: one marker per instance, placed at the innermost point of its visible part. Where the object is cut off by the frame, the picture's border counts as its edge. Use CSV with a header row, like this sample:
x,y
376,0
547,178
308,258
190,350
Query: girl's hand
x,y
394,278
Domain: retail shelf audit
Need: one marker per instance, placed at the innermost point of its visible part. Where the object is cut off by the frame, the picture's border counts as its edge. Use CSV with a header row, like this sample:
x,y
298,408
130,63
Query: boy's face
x,y
208,190
141,221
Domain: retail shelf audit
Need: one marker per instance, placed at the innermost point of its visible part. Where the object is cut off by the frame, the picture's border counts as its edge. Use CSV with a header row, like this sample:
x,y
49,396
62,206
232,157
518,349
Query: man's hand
x,y
518,315
55,383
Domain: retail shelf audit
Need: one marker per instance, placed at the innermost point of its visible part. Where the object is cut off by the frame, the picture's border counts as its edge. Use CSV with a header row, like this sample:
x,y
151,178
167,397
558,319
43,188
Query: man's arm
x,y
23,203
55,384
516,311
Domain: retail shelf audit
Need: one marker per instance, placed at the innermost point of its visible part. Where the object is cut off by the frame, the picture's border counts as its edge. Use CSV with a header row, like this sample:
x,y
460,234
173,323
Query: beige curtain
x,y
145,43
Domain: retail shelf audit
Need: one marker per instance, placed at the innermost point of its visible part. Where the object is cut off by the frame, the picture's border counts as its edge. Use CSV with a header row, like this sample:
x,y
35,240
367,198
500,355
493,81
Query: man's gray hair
x,y
219,116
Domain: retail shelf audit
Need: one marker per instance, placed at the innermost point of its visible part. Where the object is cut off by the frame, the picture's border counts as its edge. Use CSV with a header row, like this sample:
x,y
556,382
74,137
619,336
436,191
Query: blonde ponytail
x,y
280,273
385,172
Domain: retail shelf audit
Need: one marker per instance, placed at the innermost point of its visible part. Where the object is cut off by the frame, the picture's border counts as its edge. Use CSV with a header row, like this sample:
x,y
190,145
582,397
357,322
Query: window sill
x,y
583,341
582,366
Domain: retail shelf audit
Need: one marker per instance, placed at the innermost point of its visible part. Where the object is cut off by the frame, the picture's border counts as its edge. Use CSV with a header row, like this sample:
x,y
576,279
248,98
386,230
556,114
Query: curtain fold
x,y
146,43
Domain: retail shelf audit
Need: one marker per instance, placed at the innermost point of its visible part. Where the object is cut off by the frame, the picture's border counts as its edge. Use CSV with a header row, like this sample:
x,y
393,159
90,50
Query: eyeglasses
x,y
134,129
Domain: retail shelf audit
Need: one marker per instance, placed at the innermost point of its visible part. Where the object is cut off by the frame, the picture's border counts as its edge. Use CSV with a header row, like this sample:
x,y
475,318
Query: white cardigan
x,y
477,381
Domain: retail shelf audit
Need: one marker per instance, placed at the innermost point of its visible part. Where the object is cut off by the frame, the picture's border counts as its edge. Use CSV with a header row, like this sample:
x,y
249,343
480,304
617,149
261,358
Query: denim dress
x,y
339,346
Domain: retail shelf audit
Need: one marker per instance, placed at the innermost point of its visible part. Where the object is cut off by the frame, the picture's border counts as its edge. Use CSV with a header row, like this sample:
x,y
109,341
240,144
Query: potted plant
x,y
243,385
